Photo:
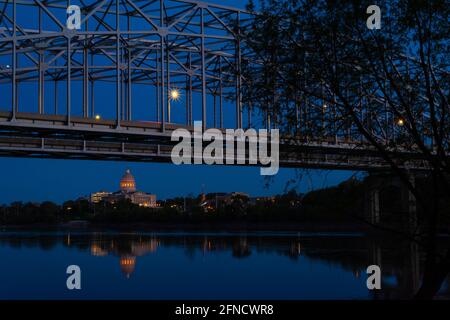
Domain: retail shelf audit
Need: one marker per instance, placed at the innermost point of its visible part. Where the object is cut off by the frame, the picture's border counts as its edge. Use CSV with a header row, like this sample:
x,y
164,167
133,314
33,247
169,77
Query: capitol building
x,y
127,191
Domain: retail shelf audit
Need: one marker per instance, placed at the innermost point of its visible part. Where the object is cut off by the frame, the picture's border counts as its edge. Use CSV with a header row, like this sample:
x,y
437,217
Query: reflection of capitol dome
x,y
127,265
127,183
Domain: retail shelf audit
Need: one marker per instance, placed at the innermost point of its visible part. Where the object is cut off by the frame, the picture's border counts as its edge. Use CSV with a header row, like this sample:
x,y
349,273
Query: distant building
x,y
262,200
213,201
99,196
127,191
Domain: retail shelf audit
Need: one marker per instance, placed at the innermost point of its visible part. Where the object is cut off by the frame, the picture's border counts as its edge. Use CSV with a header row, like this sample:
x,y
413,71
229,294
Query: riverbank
x,y
198,227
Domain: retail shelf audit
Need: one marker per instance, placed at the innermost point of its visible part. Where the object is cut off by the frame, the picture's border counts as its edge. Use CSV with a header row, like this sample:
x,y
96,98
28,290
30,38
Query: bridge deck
x,y
52,136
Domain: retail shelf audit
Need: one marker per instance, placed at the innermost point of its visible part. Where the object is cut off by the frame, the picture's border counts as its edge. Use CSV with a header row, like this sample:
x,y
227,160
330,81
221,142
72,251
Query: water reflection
x,y
126,249
400,262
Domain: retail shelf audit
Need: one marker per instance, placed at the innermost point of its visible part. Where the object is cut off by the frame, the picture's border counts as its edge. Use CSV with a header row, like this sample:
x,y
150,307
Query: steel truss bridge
x,y
109,91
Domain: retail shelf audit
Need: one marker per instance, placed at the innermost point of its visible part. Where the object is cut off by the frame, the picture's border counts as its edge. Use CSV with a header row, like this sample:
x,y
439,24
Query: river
x,y
187,265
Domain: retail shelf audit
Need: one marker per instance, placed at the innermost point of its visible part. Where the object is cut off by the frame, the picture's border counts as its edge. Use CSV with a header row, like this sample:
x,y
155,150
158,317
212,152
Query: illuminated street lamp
x,y
400,122
174,95
97,117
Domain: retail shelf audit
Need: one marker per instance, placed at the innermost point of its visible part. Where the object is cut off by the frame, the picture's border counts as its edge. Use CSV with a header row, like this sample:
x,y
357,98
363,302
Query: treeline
x,y
327,205
31,213
342,202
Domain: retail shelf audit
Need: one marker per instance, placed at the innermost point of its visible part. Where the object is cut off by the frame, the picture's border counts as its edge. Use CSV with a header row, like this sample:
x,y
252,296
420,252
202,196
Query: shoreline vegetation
x,y
339,208
233,227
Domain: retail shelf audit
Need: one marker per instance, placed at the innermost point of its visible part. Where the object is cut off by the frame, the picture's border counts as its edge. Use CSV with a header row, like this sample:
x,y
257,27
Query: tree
x,y
316,70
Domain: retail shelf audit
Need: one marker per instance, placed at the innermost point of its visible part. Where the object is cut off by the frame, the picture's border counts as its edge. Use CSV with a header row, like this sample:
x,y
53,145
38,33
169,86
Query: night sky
x,y
60,180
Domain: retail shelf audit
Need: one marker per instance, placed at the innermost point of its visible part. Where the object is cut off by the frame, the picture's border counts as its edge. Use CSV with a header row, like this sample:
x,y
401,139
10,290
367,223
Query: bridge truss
x,y
167,46
109,90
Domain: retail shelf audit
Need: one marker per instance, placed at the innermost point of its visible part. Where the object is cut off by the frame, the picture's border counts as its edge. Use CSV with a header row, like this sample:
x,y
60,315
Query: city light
x,y
174,94
400,122
97,117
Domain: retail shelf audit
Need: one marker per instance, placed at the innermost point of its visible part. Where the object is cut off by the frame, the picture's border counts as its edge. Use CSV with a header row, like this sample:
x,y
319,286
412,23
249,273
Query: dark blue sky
x,y
59,180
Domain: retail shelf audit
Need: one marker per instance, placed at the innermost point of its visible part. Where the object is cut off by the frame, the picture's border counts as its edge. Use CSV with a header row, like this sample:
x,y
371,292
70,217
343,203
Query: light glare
x,y
174,94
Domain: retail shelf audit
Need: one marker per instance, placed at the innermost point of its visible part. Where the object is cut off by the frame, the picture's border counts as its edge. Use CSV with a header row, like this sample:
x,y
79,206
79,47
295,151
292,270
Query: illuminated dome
x,y
127,265
127,184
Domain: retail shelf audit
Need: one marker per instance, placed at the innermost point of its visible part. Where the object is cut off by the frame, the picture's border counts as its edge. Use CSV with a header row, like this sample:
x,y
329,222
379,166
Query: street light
x,y
97,117
174,95
400,122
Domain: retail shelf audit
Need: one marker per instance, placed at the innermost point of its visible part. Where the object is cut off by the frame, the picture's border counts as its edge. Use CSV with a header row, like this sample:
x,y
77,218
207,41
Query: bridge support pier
x,y
409,204
380,185
412,269
372,204
372,210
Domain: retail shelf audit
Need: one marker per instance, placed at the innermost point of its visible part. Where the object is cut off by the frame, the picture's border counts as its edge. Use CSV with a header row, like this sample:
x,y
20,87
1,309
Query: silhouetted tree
x,y
316,70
